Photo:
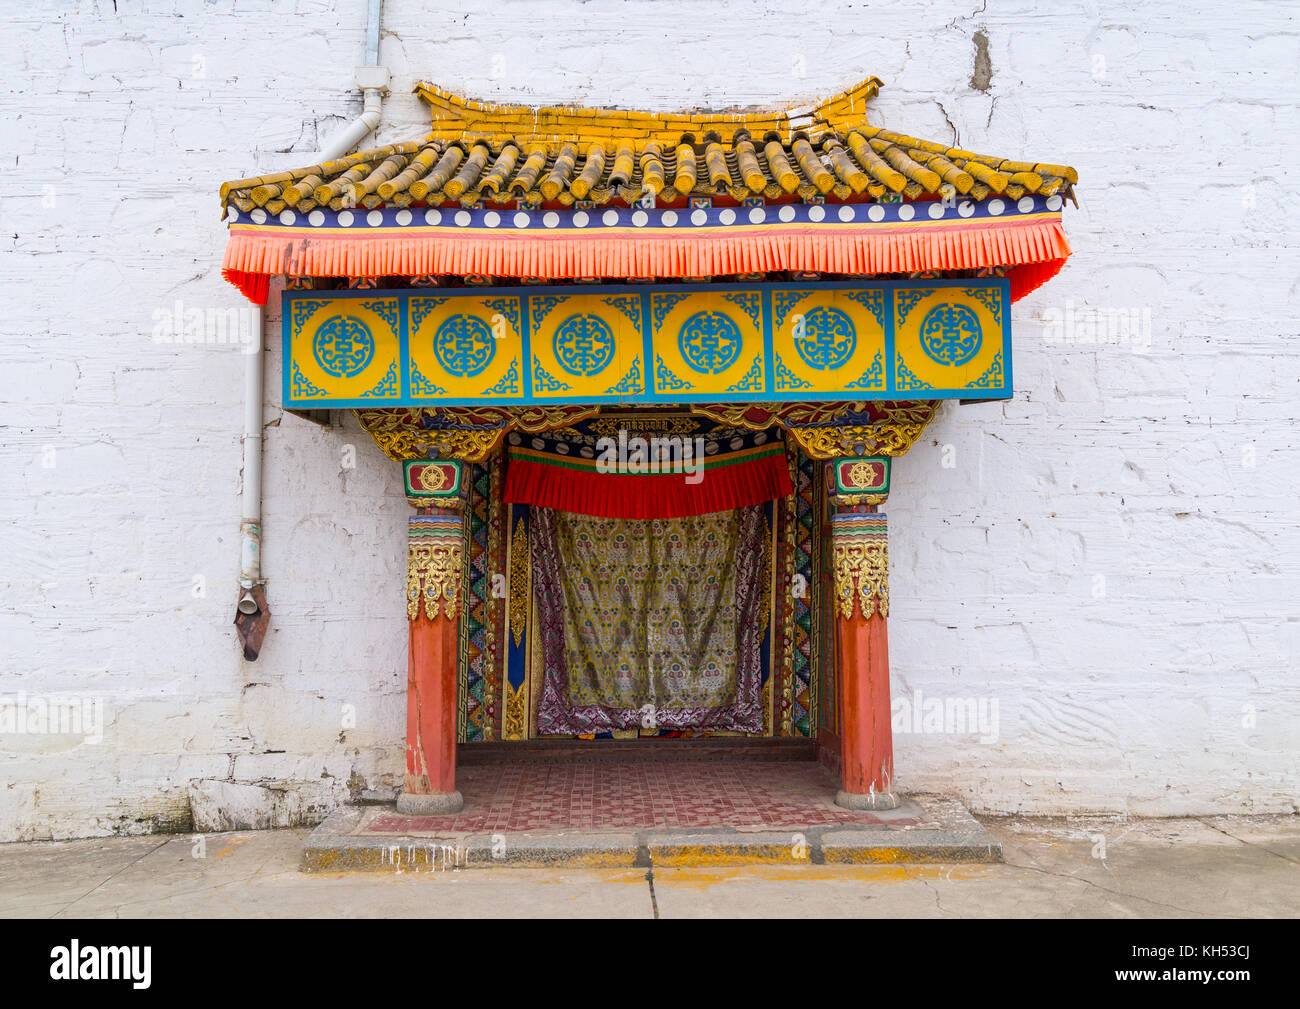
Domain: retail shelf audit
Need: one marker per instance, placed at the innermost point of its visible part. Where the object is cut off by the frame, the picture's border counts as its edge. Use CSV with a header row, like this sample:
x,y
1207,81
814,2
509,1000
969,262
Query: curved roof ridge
x,y
459,117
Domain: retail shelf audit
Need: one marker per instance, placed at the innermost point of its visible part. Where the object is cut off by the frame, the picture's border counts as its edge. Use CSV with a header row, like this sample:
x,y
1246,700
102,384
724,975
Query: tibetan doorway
x,y
750,520
650,623
502,668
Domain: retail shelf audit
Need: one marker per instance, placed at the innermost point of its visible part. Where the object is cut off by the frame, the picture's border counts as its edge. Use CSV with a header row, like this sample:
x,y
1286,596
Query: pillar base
x,y
857,800
429,803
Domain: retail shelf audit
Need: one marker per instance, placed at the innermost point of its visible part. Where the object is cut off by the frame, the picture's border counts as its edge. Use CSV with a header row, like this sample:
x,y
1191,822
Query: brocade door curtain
x,y
649,586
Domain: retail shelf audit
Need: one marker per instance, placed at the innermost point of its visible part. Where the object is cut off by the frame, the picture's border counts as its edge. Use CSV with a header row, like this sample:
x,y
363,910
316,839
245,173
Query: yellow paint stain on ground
x,y
699,878
231,844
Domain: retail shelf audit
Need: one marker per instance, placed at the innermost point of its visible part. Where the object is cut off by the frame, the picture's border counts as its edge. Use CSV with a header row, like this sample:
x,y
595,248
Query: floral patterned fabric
x,y
649,622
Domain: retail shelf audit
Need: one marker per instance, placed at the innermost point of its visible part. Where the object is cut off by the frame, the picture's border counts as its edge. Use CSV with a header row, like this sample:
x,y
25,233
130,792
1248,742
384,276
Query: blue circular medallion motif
x,y
584,344
464,345
827,339
710,342
343,346
950,334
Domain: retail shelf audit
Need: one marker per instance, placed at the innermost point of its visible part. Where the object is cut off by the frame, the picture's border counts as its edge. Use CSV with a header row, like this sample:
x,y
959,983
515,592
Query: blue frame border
x,y
652,395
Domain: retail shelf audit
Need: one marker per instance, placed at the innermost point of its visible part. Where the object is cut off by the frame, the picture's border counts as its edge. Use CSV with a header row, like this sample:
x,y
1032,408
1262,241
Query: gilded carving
x,y
519,582
401,434
514,723
862,575
433,572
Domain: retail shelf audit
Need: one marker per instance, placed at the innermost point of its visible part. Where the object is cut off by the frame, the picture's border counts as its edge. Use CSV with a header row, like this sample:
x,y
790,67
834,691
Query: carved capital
x,y
434,565
860,544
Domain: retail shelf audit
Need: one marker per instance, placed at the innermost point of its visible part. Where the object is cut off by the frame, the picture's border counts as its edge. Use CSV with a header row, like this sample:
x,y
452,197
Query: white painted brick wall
x,y
1109,464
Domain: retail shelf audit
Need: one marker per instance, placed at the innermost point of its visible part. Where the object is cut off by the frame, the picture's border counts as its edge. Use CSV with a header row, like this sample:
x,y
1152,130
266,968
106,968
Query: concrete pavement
x,y
1092,867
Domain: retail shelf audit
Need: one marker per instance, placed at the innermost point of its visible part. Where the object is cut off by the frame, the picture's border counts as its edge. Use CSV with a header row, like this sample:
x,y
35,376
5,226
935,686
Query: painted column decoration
x,y
434,568
860,547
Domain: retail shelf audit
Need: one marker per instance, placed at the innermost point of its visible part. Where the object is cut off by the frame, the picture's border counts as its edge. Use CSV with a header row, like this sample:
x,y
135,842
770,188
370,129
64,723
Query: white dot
x,y
1054,203
258,216
936,210
345,218
462,218
403,217
737,444
316,218
846,213
906,212
698,217
491,218
232,215
639,219
728,216
816,212
562,447
876,212
669,219
586,452
996,207
581,219
287,217
757,215
538,443
433,217
786,213
374,218
551,218
760,437
1026,204
609,218
515,439
521,220
965,208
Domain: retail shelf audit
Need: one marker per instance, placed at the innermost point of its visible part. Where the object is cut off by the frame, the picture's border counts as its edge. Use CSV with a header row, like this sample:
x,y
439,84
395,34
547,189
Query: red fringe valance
x,y
1035,250
646,496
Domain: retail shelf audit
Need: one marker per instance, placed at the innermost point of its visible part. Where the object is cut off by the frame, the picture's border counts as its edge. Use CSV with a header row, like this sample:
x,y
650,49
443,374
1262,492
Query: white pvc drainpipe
x,y
372,79
250,520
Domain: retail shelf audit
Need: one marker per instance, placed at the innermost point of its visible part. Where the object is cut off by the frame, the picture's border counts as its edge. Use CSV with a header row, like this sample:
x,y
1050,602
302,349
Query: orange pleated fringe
x,y
1034,250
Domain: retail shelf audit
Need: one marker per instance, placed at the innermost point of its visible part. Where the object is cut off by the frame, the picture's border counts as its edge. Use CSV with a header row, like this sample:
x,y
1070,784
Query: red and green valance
x,y
643,474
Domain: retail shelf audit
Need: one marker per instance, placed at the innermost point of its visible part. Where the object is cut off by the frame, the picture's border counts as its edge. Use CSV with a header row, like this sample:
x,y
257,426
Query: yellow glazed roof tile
x,y
503,154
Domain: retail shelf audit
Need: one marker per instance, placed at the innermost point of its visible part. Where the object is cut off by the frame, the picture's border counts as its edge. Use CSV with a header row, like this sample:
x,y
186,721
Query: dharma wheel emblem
x,y
710,342
343,346
433,478
826,338
464,345
584,344
950,334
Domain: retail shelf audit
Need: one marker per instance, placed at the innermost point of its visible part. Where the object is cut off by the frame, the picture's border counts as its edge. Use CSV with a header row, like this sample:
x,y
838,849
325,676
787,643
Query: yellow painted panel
x,y
708,342
466,347
345,349
948,337
829,340
586,345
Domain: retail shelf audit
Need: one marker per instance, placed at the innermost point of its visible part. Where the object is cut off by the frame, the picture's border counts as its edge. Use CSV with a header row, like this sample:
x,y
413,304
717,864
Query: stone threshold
x,y
923,829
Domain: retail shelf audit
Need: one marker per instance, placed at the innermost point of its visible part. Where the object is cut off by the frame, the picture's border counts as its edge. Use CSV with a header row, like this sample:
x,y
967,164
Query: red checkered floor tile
x,y
592,796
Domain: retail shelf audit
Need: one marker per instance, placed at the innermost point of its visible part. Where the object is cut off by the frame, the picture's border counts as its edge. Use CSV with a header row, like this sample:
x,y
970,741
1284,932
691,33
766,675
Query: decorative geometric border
x,y
697,219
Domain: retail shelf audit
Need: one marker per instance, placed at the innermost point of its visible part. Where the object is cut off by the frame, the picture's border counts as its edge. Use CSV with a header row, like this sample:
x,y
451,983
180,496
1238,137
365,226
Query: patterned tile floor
x,y
591,796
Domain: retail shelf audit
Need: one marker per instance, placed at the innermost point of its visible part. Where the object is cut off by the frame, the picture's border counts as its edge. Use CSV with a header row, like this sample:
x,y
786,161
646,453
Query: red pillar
x,y
860,544
434,567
